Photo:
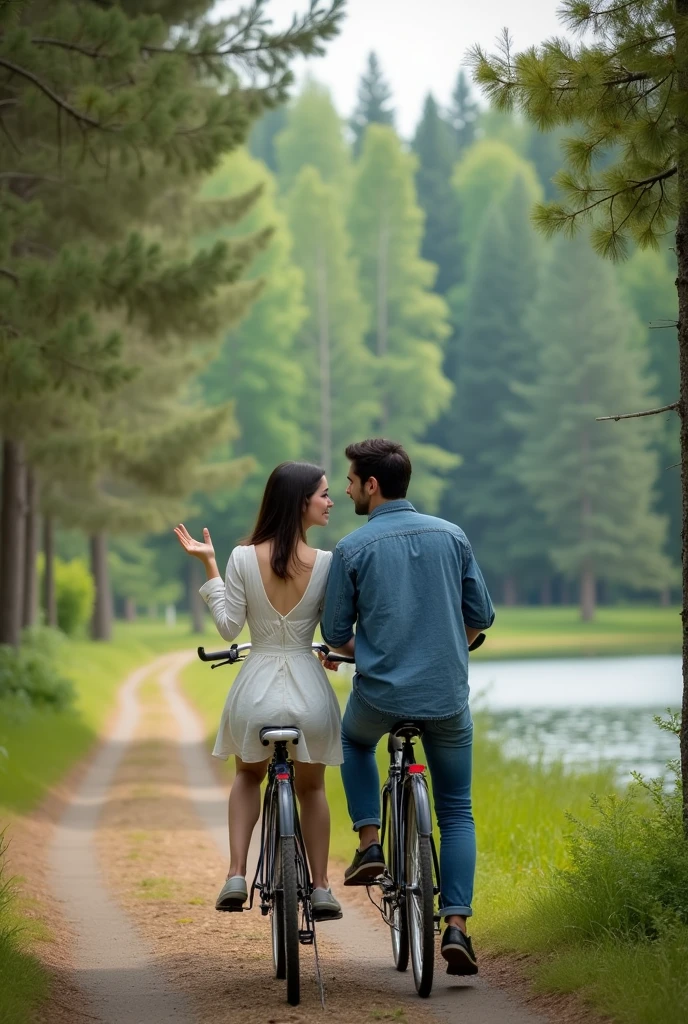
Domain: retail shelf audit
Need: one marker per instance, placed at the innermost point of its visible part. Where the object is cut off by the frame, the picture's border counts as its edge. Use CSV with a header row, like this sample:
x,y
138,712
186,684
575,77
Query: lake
x,y
584,711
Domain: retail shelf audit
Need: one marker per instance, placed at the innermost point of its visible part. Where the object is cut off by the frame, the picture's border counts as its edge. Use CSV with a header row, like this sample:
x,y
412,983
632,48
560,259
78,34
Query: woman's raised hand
x,y
199,549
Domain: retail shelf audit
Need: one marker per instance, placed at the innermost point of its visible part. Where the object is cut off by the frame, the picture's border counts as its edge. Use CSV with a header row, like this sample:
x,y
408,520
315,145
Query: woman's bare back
x,y
285,595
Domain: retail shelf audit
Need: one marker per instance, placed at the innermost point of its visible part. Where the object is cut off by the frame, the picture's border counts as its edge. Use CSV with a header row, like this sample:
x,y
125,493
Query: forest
x,y
205,302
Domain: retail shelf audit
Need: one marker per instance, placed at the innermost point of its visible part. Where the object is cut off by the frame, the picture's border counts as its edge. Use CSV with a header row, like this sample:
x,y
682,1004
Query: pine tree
x,y
623,94
648,282
341,399
437,153
485,176
94,99
261,142
409,322
313,137
495,353
593,484
463,113
258,366
373,106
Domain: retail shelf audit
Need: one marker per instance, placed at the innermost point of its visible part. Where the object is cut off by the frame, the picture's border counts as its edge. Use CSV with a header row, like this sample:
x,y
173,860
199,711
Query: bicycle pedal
x,y
306,938
232,910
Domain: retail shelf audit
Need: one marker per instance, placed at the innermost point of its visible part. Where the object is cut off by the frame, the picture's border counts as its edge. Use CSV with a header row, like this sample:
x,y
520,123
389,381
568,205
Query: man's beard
x,y
362,508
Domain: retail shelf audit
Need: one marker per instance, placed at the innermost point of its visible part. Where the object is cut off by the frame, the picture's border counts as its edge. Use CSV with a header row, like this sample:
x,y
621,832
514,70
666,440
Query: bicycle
x,y
282,877
411,880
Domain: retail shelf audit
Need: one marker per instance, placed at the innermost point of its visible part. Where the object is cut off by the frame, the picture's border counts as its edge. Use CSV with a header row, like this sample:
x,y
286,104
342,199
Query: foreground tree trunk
x,y
12,542
31,541
49,596
101,623
196,602
682,288
588,594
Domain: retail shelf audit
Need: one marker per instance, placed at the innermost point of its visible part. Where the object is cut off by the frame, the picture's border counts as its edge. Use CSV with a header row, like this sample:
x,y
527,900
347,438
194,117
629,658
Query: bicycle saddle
x,y
403,731
279,734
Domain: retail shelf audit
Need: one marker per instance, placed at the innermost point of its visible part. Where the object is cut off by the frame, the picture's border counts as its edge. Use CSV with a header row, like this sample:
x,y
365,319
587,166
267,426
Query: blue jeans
x,y
448,744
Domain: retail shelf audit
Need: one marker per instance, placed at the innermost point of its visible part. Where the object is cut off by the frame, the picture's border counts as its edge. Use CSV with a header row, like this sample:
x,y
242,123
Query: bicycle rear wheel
x,y
394,912
290,918
419,892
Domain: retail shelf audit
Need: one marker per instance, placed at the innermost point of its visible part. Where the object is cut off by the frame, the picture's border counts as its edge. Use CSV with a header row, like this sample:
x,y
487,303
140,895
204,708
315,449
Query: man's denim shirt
x,y
410,582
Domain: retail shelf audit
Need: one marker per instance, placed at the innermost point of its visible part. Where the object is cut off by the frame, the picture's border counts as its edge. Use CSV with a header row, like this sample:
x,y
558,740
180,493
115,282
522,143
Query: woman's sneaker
x,y
366,866
457,950
233,894
325,906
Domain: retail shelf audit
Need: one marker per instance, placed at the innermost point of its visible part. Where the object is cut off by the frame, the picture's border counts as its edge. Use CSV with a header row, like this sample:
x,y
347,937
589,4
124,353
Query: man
x,y
412,587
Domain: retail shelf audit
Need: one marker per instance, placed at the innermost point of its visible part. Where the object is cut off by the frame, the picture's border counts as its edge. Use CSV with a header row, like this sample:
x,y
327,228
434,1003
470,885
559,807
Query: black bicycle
x,y
411,880
282,877
412,877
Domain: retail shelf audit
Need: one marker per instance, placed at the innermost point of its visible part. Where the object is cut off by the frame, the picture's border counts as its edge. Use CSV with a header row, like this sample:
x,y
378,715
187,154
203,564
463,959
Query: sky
x,y
420,43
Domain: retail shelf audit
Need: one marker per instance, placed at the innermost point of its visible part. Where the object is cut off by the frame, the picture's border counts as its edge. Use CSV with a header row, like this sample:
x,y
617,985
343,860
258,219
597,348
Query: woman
x,y
277,583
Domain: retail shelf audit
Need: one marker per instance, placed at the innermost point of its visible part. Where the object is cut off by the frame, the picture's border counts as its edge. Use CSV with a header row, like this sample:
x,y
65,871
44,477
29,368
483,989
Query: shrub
x,y
628,871
28,674
75,595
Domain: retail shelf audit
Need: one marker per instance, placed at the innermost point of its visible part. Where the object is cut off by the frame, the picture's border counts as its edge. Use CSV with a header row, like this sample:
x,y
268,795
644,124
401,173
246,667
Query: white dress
x,y
281,682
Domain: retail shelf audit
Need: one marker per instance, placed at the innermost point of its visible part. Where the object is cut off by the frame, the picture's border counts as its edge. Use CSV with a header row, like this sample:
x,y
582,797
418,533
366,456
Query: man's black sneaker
x,y
457,950
366,866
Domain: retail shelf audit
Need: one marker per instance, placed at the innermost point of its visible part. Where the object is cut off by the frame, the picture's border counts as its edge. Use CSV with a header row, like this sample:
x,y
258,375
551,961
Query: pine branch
x,y
59,101
635,415
10,274
646,184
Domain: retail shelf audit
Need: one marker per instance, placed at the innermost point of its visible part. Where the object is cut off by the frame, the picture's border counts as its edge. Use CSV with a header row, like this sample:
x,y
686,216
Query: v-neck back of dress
x,y
285,615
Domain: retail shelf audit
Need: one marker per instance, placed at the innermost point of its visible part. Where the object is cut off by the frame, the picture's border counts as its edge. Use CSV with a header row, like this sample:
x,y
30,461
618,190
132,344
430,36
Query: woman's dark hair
x,y
280,519
386,460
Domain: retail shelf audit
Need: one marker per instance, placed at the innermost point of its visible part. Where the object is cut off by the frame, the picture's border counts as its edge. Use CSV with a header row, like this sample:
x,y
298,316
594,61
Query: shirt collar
x,y
400,505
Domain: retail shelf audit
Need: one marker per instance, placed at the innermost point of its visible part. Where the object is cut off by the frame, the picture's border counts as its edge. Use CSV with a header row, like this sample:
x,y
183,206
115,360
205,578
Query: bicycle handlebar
x,y
231,656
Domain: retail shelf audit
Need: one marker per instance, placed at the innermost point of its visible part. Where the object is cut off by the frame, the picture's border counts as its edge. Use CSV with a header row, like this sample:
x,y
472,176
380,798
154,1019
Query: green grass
x,y
559,632
43,745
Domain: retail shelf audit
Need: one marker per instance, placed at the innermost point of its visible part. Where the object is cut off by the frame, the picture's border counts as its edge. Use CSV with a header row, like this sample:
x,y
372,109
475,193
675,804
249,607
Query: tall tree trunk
x,y
196,602
682,288
546,591
565,593
510,591
383,301
129,609
31,541
49,595
587,594
325,372
101,623
12,542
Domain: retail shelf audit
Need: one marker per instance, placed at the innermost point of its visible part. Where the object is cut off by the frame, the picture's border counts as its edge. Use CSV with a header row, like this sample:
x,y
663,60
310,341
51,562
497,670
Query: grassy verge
x,y
530,892
41,747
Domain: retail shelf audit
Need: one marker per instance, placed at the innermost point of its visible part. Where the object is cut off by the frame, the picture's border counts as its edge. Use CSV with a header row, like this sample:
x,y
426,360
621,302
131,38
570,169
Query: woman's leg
x,y
315,818
244,811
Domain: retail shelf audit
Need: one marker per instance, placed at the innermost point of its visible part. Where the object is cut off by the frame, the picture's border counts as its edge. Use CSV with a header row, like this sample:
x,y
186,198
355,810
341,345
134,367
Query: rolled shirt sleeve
x,y
227,601
476,606
339,608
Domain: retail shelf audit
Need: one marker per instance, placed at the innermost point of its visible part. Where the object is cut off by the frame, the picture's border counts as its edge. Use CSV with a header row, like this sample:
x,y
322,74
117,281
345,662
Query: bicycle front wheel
x,y
290,918
419,892
393,910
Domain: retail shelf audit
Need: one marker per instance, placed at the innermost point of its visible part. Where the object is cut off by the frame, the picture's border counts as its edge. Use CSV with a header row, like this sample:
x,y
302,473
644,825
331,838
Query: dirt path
x,y
136,861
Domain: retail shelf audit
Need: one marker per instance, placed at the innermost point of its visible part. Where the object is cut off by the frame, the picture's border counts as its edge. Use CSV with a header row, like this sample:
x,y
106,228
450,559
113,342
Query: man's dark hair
x,y
386,460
